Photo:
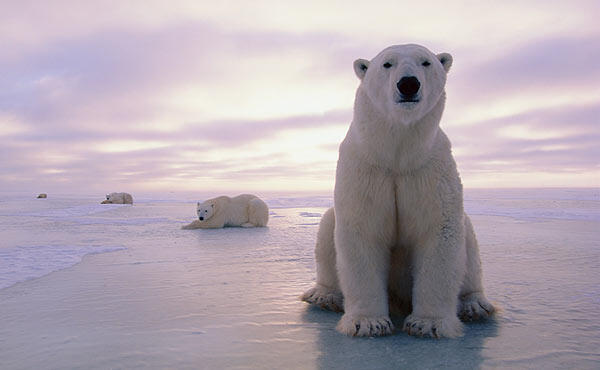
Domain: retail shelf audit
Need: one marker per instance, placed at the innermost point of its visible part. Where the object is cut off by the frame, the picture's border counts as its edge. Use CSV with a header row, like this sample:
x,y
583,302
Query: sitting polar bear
x,y
118,198
397,237
245,210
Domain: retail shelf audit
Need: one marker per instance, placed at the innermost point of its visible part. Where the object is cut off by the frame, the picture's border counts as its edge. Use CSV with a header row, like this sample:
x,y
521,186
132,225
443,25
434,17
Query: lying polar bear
x,y
397,236
245,210
118,198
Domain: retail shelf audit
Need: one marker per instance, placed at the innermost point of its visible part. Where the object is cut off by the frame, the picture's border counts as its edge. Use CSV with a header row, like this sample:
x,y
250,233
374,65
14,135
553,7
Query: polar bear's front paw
x,y
475,307
449,327
365,326
325,298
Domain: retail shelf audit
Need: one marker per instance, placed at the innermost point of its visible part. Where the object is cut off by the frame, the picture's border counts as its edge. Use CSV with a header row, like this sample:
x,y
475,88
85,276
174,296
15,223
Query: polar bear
x,y
118,198
397,237
245,210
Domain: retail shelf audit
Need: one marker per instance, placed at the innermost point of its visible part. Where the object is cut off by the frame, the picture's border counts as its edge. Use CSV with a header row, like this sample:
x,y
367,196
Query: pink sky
x,y
155,96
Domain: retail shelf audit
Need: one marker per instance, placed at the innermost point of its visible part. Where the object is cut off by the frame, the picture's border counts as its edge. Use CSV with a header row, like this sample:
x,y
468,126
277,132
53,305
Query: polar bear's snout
x,y
408,86
201,218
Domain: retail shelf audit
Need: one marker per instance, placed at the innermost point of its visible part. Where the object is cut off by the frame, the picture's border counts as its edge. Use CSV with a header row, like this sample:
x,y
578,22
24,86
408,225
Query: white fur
x,y
399,237
245,210
118,198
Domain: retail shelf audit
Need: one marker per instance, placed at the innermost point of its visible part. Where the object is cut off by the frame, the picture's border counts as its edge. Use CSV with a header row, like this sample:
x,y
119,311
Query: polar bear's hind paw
x,y
475,307
325,298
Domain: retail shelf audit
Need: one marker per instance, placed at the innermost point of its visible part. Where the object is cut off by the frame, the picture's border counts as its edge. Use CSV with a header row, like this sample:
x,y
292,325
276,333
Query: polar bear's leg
x,y
365,230
363,265
438,269
258,212
194,225
473,304
326,293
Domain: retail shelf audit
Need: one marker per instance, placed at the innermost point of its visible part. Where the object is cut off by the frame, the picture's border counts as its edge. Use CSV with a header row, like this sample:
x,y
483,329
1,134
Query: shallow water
x,y
84,285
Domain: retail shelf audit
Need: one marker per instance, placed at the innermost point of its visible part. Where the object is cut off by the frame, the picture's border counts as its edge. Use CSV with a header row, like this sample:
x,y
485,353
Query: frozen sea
x,y
91,286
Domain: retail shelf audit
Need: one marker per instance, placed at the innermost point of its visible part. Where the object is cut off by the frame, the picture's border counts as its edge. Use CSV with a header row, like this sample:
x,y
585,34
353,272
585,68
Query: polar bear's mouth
x,y
407,100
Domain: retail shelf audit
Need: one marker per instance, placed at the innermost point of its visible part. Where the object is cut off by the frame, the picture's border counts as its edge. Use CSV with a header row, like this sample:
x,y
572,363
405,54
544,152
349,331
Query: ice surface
x,y
228,298
22,263
530,204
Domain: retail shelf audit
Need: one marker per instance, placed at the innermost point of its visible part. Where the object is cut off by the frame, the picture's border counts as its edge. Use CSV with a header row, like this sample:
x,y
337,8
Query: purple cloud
x,y
576,148
73,93
561,65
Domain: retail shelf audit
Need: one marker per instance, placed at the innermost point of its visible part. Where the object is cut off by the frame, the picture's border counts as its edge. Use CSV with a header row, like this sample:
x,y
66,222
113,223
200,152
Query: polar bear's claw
x,y
365,326
433,328
327,299
475,307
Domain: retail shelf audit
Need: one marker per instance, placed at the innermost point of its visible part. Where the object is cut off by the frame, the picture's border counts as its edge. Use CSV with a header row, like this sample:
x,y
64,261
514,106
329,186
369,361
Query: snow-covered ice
x,y
84,285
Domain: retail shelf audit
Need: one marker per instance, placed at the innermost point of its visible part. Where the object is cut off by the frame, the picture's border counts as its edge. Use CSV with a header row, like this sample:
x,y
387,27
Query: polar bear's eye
x,y
426,63
387,65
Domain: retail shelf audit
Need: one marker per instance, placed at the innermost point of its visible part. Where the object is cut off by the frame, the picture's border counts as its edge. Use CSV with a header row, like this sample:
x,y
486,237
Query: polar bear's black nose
x,y
408,86
201,218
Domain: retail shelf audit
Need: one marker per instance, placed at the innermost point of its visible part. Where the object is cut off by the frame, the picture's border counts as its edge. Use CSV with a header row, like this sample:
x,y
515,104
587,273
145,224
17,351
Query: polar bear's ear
x,y
360,67
446,60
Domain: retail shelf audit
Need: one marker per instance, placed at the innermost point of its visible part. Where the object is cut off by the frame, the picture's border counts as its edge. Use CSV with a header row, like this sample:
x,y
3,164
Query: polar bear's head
x,y
404,82
205,210
113,198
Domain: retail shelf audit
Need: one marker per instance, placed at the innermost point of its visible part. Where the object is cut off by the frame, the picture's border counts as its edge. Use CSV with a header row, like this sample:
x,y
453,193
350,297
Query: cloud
x,y
555,140
222,133
557,65
176,96
184,72
229,151
232,133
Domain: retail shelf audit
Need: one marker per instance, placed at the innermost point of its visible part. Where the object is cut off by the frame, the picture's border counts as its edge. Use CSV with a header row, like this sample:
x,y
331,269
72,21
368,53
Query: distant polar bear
x,y
245,210
118,198
397,237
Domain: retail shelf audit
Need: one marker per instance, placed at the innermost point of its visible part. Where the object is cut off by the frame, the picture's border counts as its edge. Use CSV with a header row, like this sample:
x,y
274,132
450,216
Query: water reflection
x,y
398,351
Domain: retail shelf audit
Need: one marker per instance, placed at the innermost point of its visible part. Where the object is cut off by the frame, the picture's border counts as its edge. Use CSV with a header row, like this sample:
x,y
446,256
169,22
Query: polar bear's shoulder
x,y
218,200
243,198
224,202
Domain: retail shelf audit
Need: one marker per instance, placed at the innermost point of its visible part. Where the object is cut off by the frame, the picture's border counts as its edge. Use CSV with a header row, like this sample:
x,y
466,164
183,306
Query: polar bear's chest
x,y
418,205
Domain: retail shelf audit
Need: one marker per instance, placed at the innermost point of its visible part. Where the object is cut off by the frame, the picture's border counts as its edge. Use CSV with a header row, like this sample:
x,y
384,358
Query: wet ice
x,y
86,286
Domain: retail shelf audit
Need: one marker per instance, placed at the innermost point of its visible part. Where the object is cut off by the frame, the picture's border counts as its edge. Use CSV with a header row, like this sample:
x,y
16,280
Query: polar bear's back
x,y
258,212
245,208
127,198
243,198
